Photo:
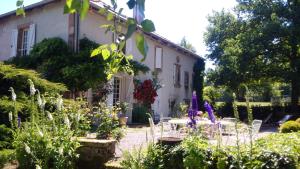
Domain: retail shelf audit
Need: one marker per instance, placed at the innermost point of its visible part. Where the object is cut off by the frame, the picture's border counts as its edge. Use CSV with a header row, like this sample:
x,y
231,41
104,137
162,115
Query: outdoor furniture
x,y
256,124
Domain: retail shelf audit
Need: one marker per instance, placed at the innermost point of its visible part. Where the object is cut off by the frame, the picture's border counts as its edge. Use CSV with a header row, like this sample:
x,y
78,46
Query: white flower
x,y
40,133
27,149
43,102
77,117
10,116
39,99
13,94
37,167
67,121
32,88
50,117
59,103
60,150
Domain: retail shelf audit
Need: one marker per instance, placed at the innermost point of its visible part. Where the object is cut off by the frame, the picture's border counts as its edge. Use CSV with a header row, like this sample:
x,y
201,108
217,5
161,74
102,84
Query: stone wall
x,y
93,153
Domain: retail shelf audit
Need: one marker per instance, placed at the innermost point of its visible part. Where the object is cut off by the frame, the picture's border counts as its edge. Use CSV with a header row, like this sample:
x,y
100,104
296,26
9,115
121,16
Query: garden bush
x,y
290,126
298,120
259,112
108,123
48,137
6,137
278,151
6,156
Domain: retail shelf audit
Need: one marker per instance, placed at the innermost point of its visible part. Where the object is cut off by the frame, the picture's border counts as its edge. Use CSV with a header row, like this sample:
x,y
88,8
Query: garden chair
x,y
256,124
228,129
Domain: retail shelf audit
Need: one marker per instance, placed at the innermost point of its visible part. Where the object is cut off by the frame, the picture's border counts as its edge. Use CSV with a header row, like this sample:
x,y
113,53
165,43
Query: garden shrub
x,y
108,123
290,126
6,156
259,112
278,151
298,120
47,138
6,137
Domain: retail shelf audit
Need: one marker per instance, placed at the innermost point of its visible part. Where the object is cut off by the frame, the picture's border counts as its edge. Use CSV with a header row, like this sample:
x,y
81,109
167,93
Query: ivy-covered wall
x,y
198,81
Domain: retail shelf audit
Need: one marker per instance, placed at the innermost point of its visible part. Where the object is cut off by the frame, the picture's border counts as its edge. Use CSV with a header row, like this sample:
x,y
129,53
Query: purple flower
x,y
19,122
210,112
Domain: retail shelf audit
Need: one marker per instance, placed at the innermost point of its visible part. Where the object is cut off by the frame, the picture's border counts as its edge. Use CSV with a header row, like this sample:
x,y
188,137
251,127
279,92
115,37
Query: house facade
x,y
173,64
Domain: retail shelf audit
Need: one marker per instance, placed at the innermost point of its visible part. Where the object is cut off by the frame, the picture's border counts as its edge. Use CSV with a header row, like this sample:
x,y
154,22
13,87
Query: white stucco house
x,y
45,19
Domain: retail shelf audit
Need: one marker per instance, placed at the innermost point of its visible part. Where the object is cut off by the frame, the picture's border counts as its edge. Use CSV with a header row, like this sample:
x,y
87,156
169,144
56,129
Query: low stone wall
x,y
95,153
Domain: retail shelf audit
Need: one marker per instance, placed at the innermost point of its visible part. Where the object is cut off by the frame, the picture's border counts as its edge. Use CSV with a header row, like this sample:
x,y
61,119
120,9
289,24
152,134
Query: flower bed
x,y
277,150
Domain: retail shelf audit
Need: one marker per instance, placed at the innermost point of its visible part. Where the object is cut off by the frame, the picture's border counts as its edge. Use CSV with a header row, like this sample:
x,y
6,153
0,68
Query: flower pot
x,y
94,153
123,121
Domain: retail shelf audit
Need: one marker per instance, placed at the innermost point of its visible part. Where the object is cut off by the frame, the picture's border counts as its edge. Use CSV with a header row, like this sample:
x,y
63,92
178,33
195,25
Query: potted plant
x,y
123,107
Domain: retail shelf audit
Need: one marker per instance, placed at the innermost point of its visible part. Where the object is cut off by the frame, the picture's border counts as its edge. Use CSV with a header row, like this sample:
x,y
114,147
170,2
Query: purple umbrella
x,y
210,112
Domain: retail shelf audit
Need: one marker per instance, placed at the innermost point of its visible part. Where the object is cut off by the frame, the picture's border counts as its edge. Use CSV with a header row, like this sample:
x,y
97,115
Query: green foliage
x,y
109,123
198,81
6,137
45,146
47,138
11,76
264,36
187,45
6,156
133,159
211,94
290,126
54,60
139,114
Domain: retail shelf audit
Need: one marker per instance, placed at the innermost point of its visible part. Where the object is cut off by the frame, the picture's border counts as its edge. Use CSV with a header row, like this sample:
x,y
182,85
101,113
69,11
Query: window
x,y
23,42
116,90
158,58
186,80
177,75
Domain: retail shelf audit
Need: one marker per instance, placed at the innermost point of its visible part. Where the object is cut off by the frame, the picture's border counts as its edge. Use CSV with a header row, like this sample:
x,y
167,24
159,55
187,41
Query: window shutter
x,y
14,41
31,38
158,57
174,74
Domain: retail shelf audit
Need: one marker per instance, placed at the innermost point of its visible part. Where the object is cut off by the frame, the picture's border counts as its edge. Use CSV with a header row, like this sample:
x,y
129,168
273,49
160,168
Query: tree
x,y
187,45
262,41
279,25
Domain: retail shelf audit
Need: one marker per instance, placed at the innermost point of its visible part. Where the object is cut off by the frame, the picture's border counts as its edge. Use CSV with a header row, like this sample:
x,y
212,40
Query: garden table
x,y
202,122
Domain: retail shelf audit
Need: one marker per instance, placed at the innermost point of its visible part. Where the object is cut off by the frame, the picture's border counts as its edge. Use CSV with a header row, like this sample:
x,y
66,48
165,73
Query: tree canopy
x,y
260,41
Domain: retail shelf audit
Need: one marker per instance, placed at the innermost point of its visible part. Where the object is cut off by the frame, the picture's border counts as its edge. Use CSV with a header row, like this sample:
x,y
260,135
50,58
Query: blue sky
x,y
173,19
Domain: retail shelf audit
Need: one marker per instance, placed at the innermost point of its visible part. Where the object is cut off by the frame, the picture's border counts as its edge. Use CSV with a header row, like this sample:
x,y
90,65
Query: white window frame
x,y
24,42
158,57
116,90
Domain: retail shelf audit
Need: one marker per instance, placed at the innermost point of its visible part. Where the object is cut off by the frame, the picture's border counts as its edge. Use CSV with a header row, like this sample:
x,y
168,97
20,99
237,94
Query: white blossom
x,y
37,167
59,103
13,94
32,88
50,117
67,121
40,133
10,116
39,99
60,150
27,149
